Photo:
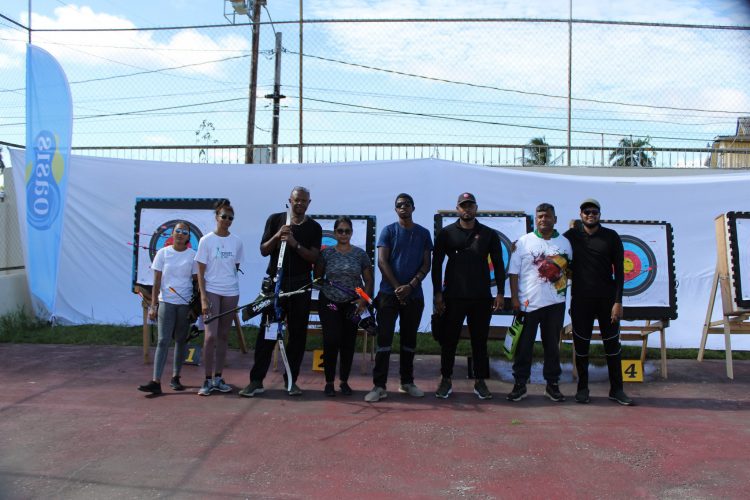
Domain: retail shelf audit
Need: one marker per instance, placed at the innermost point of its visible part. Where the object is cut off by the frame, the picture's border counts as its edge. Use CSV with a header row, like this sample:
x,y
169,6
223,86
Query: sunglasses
x,y
343,231
182,231
590,211
225,217
403,204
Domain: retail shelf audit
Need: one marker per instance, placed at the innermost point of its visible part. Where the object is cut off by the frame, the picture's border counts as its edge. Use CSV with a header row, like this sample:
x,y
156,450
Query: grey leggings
x,y
217,332
172,319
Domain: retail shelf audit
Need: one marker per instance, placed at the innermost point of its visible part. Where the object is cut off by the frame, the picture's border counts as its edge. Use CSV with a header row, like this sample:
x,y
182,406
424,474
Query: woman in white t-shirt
x,y
219,257
174,270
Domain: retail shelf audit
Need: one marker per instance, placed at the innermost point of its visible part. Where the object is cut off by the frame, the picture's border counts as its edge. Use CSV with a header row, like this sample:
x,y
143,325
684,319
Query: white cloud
x,y
143,49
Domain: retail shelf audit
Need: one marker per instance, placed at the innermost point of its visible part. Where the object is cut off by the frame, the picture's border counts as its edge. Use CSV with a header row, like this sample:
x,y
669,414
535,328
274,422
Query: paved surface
x,y
72,425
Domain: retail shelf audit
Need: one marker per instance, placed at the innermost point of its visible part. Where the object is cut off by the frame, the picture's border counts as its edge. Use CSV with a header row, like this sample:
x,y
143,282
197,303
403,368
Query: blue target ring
x,y
639,265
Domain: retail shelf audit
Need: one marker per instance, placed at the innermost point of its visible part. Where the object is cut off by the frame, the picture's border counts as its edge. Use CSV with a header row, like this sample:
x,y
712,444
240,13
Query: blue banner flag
x,y
49,130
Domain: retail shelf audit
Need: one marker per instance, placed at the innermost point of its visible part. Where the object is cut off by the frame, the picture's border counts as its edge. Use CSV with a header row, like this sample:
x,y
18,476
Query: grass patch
x,y
20,327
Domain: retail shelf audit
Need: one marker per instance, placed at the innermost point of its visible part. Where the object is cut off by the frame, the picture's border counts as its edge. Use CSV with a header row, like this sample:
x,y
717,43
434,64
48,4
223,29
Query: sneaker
x,y
295,390
329,390
620,396
252,389
376,394
345,389
220,386
582,396
553,393
152,387
444,389
175,384
206,388
480,389
518,392
412,390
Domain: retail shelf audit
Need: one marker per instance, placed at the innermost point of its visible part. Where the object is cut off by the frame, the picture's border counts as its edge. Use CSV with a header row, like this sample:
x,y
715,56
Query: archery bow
x,y
278,311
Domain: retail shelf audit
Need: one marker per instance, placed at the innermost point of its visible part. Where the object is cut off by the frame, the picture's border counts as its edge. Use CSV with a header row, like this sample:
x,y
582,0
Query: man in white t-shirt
x,y
538,273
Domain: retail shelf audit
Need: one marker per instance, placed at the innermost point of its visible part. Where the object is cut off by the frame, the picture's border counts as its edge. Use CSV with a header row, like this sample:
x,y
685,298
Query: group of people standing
x,y
539,268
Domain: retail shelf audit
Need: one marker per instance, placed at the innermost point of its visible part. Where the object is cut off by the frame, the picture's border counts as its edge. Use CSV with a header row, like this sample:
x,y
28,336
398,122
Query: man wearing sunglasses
x,y
465,293
404,249
303,239
596,294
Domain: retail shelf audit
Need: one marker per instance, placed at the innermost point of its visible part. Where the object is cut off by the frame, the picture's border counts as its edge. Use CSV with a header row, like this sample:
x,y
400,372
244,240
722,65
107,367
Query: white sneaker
x,y
206,389
412,390
376,394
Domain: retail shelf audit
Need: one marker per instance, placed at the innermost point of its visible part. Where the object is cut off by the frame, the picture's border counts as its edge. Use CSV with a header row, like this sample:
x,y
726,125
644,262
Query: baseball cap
x,y
591,201
464,197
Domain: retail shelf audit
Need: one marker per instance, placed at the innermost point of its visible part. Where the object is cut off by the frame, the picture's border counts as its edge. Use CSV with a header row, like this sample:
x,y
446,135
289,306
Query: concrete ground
x,y
73,425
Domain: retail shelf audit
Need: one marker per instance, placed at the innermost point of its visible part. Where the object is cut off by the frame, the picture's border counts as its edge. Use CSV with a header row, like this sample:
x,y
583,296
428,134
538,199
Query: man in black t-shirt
x,y
303,240
465,293
596,293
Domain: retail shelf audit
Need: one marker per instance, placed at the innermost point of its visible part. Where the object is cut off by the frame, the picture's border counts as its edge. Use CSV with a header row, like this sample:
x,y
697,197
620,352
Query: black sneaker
x,y
480,389
582,396
444,389
518,392
152,387
620,396
175,384
329,390
345,389
252,389
553,393
295,390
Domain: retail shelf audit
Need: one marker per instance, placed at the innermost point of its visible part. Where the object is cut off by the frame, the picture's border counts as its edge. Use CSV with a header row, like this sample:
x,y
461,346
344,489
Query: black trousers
x,y
550,321
477,313
297,313
339,337
410,314
583,312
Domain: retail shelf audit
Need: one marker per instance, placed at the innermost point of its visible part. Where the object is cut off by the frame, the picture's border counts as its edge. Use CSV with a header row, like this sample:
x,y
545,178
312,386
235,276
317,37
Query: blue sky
x,y
464,83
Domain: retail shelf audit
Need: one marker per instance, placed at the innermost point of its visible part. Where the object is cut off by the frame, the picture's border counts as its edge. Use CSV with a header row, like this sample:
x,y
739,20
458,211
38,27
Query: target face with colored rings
x,y
505,245
162,237
329,239
639,265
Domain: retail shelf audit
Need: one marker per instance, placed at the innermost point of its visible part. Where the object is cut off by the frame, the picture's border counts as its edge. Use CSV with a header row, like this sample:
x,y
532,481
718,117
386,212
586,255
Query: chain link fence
x,y
458,83
497,92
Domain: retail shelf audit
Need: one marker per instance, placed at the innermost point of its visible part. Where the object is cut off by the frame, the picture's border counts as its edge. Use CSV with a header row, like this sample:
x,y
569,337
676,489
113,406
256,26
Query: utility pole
x,y
570,72
249,143
277,97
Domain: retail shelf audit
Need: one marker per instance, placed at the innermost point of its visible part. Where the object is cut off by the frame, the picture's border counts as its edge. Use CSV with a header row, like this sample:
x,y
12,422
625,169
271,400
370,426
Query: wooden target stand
x,y
145,294
734,320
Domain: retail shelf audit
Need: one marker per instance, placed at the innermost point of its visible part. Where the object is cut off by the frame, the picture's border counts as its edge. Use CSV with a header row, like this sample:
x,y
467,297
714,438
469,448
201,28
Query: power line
x,y
515,91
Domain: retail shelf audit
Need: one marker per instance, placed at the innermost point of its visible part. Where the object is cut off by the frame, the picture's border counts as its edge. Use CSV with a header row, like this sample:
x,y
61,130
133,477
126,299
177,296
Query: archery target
x,y
742,237
640,265
359,232
509,227
506,246
646,263
154,231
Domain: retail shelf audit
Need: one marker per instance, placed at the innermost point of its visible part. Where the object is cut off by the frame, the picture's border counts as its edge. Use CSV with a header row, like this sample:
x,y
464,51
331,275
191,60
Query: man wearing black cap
x,y
597,294
465,292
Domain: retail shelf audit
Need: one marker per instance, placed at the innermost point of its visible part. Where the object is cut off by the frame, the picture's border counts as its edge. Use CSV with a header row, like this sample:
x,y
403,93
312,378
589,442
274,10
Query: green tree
x,y
633,153
536,152
204,136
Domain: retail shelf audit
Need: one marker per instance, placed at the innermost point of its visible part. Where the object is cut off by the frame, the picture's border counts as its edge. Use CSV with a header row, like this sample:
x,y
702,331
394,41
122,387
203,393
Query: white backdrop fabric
x,y
96,261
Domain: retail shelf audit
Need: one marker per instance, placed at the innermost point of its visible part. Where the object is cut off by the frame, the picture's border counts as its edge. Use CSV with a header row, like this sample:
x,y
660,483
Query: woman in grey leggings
x,y
174,270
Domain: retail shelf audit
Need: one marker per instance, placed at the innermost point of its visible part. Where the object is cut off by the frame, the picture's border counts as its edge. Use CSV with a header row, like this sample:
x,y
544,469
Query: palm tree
x,y
536,152
633,153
